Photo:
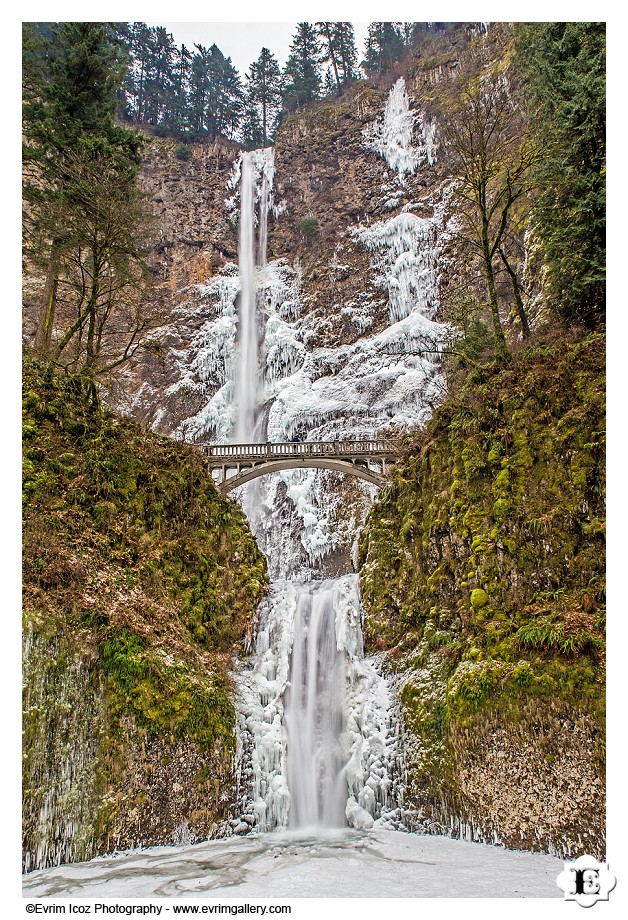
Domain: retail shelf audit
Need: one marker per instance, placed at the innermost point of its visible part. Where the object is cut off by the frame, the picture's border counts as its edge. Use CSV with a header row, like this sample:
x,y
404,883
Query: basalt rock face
x,y
186,188
334,173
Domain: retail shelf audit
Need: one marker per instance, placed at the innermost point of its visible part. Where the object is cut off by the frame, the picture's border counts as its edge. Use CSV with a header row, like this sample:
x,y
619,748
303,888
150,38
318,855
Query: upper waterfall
x,y
256,176
246,380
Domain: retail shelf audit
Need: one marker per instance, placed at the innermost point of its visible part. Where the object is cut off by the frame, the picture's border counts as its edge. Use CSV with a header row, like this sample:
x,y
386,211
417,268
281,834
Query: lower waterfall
x,y
318,729
315,714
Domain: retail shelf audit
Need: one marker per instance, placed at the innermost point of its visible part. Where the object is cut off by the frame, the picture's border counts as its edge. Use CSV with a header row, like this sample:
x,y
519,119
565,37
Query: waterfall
x,y
246,380
318,738
315,715
318,726
255,166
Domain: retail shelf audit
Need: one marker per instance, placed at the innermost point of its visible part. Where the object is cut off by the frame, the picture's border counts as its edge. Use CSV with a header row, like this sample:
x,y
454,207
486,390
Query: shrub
x,y
309,226
183,152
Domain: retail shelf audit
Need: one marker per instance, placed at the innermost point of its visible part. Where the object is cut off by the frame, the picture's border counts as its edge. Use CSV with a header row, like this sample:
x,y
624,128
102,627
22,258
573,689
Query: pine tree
x,y
69,131
175,119
330,86
263,89
347,52
139,43
564,65
301,74
339,51
385,46
216,97
158,77
252,130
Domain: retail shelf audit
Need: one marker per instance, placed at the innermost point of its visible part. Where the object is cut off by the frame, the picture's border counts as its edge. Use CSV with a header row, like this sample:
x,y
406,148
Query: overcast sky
x,y
243,41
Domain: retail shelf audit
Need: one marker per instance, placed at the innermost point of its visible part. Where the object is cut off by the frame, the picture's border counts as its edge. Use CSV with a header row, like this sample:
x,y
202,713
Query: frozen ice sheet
x,y
343,864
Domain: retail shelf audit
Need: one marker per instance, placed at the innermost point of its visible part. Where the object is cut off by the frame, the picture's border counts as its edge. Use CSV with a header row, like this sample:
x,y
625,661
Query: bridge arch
x,y
297,463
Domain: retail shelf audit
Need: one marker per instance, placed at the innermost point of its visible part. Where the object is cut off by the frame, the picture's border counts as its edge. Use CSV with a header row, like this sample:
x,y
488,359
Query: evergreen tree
x,y
339,51
139,43
35,53
263,89
346,51
69,131
216,99
158,81
564,65
175,118
301,74
385,46
330,86
252,130
199,90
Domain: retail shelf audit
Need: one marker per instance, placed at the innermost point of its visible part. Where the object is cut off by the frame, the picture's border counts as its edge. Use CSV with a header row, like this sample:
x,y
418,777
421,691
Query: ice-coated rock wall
x,y
395,136
382,383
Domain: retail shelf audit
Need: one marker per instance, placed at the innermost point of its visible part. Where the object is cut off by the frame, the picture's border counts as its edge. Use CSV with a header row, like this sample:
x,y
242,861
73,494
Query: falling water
x,y
318,726
246,381
318,730
262,243
315,715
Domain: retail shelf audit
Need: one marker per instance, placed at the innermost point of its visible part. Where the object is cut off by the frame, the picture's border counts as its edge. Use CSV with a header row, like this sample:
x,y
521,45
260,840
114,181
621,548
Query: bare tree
x,y
492,159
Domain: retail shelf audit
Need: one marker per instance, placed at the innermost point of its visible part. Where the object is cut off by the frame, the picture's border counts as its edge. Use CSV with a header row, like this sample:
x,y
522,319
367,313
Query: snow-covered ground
x,y
341,864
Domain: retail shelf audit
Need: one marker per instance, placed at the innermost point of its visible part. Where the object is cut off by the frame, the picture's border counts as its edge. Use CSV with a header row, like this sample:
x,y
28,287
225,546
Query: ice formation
x,y
339,864
395,137
404,250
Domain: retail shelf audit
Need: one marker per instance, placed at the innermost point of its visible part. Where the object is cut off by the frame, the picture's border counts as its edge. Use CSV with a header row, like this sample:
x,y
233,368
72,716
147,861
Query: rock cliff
x,y
481,563
140,585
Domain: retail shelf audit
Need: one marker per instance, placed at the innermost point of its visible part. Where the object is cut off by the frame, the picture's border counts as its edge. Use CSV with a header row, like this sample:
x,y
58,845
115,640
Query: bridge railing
x,y
230,452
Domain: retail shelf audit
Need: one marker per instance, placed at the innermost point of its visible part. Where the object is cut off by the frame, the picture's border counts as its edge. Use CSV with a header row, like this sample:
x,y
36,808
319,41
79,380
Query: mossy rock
x,y
479,598
142,578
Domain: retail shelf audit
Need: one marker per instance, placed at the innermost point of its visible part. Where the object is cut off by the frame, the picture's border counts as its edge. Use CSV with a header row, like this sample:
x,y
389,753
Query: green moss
x,y
507,539
146,580
479,598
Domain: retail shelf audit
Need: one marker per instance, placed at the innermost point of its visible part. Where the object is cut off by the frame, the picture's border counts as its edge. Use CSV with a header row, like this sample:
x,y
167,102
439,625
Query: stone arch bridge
x,y
368,460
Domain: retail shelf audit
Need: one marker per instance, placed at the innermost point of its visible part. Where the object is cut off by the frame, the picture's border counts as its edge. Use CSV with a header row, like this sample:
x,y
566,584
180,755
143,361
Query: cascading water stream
x,y
246,381
315,715
318,734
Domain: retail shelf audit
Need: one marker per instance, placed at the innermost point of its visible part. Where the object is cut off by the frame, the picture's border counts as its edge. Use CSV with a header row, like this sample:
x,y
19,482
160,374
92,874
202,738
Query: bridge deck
x,y
221,454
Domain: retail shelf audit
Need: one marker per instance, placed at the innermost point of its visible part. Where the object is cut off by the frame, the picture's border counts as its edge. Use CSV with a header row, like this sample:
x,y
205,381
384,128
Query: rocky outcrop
x,y
536,783
331,177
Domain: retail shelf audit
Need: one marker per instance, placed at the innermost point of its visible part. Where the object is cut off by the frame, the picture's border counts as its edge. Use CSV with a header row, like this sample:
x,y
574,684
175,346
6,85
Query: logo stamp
x,y
586,881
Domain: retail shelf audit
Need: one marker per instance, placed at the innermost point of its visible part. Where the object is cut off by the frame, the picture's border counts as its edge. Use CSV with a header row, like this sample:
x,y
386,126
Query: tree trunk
x,y
525,326
500,340
43,336
332,55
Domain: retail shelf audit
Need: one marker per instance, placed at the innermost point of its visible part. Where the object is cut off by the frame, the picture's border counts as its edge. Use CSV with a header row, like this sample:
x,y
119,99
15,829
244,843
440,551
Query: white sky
x,y
243,41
